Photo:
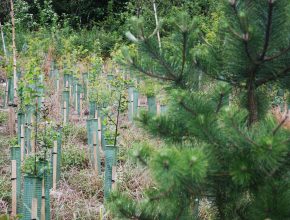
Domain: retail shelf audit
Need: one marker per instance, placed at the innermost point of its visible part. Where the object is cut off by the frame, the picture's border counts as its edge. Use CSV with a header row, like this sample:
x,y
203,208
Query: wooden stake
x,y
14,187
57,86
132,104
43,201
11,123
34,209
95,153
114,172
158,108
22,143
81,104
76,101
100,133
64,112
54,165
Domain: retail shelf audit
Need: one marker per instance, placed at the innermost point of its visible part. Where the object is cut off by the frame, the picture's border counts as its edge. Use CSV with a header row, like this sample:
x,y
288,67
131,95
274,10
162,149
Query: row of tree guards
x,y
33,176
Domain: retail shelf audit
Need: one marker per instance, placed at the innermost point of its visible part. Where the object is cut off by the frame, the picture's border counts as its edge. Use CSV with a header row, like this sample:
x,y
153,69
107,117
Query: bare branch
x,y
280,125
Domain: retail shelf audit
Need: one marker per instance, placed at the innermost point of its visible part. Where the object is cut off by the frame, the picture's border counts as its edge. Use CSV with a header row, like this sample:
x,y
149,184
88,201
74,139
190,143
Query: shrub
x,y
3,117
74,133
73,156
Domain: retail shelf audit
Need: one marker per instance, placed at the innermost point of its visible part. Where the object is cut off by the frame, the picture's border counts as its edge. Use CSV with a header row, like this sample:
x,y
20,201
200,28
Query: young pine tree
x,y
235,155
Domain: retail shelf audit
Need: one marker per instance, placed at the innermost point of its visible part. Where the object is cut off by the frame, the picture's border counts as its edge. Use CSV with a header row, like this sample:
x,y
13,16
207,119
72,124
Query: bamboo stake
x,y
132,104
81,104
34,209
22,142
114,172
158,108
11,123
54,169
43,201
76,98
14,187
64,113
100,133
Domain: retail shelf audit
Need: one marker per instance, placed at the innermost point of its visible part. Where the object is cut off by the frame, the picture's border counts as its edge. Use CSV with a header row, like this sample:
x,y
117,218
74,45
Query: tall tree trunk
x,y
252,104
14,51
5,54
12,118
157,24
3,40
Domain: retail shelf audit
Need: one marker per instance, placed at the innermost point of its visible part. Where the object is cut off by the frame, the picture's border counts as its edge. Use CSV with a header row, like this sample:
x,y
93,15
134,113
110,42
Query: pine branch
x,y
184,35
222,95
203,128
282,74
140,69
246,35
161,60
246,137
268,29
188,109
281,53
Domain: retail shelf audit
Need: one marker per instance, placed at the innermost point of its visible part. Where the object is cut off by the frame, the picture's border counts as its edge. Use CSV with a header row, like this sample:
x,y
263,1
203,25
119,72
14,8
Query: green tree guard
x,y
40,94
65,98
110,154
92,109
29,111
74,91
52,68
85,85
10,91
163,109
79,91
103,128
32,189
152,107
92,129
16,155
133,103
46,175
95,147
20,121
59,153
56,78
66,81
89,135
280,93
47,182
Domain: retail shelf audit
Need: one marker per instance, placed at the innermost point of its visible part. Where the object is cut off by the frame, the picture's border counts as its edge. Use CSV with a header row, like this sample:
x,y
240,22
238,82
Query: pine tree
x,y
235,155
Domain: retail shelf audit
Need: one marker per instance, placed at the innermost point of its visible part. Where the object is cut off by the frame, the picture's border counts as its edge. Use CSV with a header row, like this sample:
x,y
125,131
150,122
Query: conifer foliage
x,y
235,155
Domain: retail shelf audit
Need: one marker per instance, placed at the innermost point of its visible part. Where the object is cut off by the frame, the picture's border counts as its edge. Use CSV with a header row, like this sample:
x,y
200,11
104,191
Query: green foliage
x,y
3,118
71,132
74,157
34,164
